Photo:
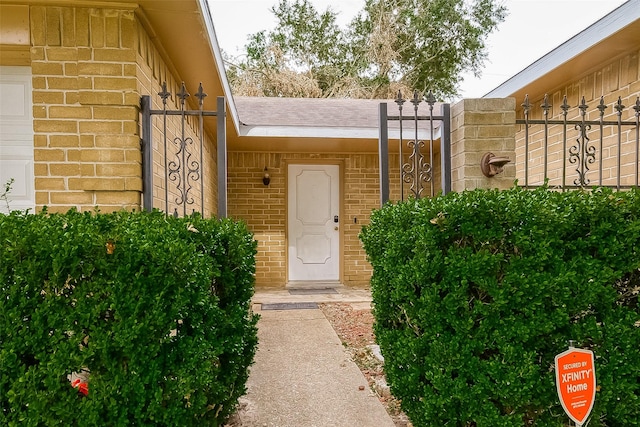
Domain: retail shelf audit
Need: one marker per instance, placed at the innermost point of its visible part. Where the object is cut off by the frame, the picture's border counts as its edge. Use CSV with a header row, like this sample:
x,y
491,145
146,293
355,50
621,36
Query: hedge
x,y
155,310
476,292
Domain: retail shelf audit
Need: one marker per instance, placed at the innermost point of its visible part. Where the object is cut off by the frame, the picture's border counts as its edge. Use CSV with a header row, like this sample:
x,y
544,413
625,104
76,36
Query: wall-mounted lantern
x,y
266,178
492,165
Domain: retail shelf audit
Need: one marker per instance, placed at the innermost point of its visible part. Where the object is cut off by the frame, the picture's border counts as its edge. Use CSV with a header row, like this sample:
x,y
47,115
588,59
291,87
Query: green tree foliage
x,y
476,292
389,45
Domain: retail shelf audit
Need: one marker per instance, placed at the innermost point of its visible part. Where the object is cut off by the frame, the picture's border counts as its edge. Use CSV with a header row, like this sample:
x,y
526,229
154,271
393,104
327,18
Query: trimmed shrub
x,y
156,309
476,292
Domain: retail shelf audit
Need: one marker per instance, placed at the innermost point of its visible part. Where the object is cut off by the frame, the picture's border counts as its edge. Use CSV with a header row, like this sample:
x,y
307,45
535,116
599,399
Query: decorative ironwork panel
x,y
416,170
182,152
587,148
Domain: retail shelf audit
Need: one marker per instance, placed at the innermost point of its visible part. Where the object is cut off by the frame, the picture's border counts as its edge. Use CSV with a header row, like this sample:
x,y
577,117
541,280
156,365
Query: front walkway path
x,y
302,376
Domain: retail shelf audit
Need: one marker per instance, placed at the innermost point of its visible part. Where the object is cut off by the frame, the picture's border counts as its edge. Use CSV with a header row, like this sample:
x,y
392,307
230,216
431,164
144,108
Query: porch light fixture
x,y
266,178
492,165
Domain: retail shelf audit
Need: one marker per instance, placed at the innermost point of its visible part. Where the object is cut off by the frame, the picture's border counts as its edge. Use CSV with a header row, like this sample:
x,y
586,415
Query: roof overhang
x,y
612,36
333,132
353,122
184,34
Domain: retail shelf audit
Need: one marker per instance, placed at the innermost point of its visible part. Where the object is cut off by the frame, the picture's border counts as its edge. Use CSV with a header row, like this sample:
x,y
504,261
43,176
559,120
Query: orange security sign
x,y
576,383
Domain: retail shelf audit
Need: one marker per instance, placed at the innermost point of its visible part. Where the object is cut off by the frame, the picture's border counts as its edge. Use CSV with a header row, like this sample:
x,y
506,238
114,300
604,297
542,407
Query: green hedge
x,y
157,309
476,292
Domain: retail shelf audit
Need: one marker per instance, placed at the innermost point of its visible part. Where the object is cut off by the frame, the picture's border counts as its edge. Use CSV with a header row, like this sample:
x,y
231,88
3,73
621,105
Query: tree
x,y
389,45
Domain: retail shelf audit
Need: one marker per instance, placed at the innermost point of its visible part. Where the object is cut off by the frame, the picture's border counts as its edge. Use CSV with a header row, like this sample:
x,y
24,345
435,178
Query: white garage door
x,y
16,137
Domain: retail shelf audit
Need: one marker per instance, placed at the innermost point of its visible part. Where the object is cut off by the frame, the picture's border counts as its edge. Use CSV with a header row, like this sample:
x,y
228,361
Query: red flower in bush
x,y
83,388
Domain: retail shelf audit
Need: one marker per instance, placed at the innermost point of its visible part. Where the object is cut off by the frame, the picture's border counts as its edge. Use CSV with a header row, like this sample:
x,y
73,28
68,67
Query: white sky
x,y
531,29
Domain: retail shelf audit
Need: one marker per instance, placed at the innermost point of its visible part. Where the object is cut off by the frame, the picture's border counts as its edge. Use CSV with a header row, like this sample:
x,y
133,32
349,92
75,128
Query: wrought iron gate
x,y
182,156
547,154
416,171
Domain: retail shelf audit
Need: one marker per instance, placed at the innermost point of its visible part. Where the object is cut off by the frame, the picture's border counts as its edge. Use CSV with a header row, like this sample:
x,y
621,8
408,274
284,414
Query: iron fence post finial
x,y
430,99
565,106
526,106
164,94
183,94
545,105
601,107
201,96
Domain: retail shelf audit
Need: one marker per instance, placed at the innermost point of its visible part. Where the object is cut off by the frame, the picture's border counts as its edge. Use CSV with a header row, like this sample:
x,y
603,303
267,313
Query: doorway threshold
x,y
312,291
290,306
314,284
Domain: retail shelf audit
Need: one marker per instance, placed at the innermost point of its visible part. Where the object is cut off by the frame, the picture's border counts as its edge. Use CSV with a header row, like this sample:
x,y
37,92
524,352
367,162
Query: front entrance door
x,y
313,223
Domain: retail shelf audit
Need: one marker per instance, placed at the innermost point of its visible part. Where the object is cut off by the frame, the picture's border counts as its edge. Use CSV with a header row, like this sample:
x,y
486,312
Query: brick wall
x,y
90,66
617,78
480,126
362,195
85,108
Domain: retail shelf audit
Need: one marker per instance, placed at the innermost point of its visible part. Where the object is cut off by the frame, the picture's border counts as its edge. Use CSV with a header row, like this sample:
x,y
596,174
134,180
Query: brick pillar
x,y
85,108
480,126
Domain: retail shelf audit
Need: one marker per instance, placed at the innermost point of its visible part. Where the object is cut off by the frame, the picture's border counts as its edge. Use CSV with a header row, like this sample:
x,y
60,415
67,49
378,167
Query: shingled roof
x,y
356,118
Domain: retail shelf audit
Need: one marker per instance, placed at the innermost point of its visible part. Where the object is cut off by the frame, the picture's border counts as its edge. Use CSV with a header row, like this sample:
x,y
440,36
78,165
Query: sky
x,y
531,29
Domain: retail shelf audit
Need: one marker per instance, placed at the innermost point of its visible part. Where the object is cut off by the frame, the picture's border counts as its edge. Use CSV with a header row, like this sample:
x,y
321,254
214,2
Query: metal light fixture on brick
x,y
266,178
492,165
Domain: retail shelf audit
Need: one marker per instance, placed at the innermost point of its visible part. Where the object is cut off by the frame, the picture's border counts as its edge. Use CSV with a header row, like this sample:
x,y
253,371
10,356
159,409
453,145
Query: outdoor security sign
x,y
576,383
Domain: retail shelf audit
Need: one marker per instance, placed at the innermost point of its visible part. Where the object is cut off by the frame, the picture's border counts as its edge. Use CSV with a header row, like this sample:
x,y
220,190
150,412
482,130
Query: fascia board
x,y
215,50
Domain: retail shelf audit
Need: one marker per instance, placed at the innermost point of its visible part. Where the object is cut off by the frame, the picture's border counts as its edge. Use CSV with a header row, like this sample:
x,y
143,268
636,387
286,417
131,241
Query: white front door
x,y
16,138
314,223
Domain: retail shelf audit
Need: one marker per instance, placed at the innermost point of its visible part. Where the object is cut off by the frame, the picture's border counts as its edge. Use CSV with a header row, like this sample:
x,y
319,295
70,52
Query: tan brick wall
x,y
480,126
362,195
617,78
85,107
264,208
90,66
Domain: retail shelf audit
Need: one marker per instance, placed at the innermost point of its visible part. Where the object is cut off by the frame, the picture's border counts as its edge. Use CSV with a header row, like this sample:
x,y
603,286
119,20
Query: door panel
x,y
313,222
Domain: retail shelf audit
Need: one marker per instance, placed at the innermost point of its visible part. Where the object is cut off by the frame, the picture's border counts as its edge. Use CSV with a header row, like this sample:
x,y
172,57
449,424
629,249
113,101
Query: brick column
x,y
480,126
85,108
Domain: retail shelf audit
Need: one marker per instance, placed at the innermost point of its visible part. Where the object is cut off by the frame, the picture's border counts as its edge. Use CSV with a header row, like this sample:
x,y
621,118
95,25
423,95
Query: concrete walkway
x,y
302,376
